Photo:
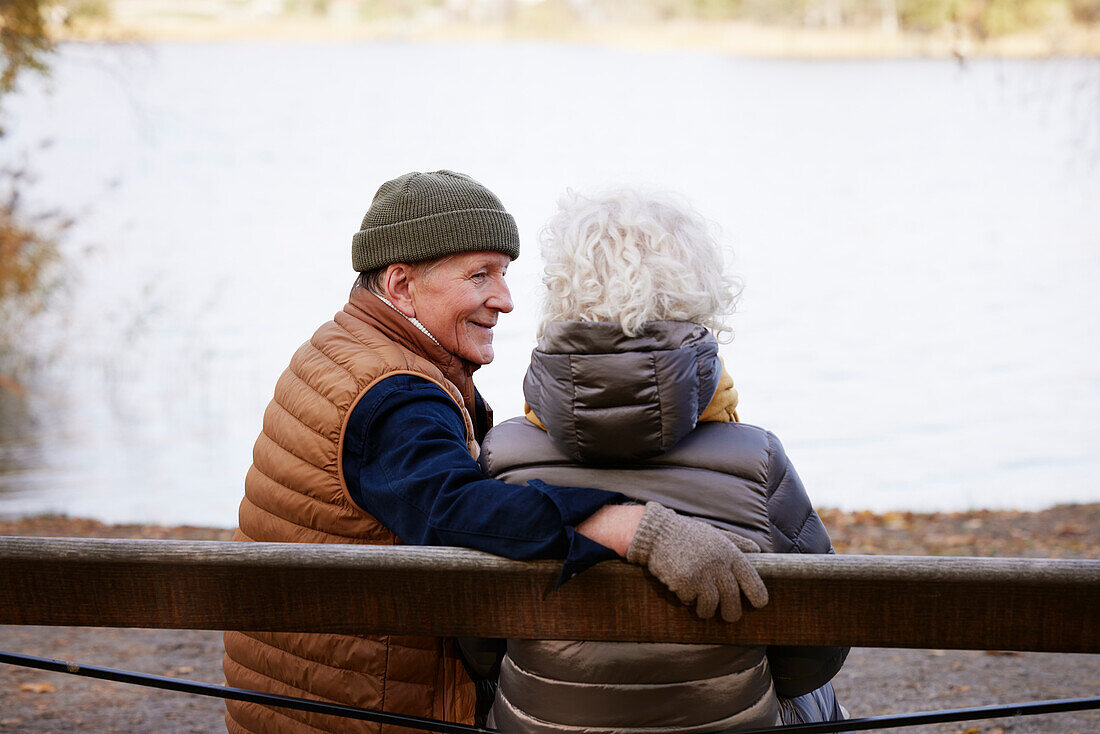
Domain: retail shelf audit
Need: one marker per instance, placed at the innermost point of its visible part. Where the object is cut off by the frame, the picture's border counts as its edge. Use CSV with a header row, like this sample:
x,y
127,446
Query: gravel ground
x,y
38,701
874,682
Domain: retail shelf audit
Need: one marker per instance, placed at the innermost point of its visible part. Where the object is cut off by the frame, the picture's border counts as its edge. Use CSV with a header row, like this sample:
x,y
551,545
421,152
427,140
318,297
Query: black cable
x,y
239,694
1031,708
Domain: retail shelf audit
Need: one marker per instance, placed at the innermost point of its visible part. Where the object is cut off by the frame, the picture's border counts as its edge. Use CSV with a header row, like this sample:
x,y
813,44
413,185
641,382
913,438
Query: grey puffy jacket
x,y
621,414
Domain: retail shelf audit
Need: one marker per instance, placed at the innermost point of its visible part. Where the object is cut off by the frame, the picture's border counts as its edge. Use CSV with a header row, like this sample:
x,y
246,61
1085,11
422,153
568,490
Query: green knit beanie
x,y
424,216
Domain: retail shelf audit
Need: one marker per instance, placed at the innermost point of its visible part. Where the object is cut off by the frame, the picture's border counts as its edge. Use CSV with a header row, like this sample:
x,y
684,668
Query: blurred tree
x,y
717,8
1000,17
29,253
24,40
29,260
926,15
1085,11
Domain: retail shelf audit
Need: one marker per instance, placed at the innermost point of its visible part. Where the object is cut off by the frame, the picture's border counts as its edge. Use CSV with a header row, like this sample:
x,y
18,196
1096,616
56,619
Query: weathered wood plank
x,y
867,601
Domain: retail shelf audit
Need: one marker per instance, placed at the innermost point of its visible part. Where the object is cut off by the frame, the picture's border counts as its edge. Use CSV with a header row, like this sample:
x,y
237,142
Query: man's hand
x,y
698,562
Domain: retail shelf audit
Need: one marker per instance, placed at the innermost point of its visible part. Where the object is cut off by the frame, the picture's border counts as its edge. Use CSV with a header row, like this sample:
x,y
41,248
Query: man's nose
x,y
501,300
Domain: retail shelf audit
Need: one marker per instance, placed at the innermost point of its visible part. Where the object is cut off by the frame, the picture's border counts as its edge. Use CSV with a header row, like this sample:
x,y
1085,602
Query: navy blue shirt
x,y
406,463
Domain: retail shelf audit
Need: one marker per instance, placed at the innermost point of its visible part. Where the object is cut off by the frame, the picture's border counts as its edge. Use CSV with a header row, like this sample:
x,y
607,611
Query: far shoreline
x,y
736,39
1064,531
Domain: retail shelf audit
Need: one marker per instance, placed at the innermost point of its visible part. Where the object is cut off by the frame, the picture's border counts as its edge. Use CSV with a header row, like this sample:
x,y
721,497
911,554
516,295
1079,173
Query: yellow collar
x,y
721,409
723,406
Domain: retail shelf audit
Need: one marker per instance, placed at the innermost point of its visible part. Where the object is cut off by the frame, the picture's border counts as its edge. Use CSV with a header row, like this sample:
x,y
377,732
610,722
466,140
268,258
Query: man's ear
x,y
397,285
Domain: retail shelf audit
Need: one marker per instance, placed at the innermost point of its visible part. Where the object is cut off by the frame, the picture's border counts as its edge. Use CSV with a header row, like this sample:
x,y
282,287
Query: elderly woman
x,y
625,391
372,437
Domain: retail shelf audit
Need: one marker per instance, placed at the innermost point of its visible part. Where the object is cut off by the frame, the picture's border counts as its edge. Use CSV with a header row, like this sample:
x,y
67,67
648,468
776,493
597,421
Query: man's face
x,y
459,301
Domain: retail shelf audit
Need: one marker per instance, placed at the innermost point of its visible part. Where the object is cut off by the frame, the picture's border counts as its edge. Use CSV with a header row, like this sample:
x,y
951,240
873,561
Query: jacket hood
x,y
605,397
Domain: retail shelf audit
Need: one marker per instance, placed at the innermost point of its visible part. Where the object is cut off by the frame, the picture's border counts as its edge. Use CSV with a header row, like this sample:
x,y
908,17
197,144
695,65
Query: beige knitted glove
x,y
745,545
698,562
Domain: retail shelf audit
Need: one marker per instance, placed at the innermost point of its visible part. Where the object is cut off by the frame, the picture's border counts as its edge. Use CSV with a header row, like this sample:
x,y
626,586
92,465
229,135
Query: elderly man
x,y
372,437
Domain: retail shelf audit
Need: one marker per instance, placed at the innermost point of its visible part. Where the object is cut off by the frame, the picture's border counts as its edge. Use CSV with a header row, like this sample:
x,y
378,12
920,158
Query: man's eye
x,y
479,276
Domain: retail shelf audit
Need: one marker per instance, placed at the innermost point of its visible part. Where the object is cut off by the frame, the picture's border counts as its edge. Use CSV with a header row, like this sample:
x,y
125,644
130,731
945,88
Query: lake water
x,y
920,244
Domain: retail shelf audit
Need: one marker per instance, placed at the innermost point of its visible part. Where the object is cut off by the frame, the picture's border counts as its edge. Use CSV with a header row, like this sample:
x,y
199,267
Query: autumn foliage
x,y
29,261
29,254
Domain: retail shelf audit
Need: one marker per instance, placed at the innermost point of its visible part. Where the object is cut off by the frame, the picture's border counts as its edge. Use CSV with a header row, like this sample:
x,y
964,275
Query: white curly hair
x,y
634,256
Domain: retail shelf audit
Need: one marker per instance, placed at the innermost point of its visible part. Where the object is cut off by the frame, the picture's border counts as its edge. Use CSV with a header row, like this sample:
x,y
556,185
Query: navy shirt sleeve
x,y
406,463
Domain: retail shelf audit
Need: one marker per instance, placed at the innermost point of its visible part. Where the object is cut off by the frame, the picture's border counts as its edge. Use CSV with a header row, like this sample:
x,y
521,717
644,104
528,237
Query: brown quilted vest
x,y
295,492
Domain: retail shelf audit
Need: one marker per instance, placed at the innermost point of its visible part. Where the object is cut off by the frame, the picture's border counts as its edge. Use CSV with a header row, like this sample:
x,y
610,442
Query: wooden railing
x,y
863,601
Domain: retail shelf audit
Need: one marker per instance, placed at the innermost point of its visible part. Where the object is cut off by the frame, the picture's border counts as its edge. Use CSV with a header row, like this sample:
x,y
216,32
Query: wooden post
x,y
865,601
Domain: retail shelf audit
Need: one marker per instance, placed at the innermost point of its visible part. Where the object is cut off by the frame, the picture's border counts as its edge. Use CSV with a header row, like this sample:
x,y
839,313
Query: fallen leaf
x,y
38,687
896,521
1071,528
179,670
12,386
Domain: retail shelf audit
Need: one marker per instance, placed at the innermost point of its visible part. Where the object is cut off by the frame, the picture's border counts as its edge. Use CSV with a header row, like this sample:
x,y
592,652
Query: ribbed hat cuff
x,y
435,236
